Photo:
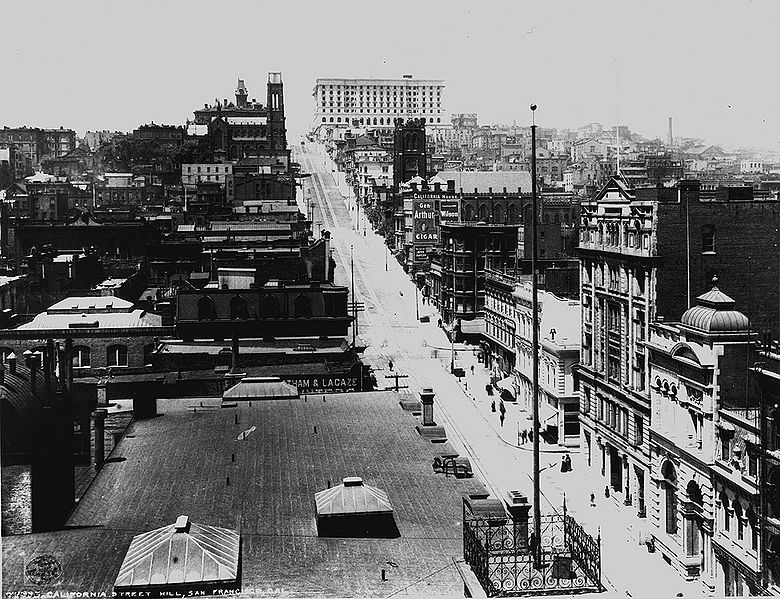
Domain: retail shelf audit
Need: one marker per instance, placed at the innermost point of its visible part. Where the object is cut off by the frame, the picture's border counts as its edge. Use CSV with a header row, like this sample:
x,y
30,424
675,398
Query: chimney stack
x,y
671,138
11,361
426,399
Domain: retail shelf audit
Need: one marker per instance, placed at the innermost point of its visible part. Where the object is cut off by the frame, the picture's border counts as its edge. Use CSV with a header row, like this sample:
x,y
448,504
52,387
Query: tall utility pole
x,y
354,303
535,340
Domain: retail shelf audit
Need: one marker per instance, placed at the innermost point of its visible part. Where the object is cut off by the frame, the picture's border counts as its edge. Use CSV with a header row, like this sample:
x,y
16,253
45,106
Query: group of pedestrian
x,y
527,435
566,463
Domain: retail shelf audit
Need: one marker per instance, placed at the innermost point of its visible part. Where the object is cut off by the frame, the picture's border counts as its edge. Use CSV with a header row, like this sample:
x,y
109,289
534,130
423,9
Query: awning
x,y
507,385
548,415
473,327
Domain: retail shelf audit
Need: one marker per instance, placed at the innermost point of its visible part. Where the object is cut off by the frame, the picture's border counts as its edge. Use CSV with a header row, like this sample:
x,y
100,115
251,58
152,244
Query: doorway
x,y
615,469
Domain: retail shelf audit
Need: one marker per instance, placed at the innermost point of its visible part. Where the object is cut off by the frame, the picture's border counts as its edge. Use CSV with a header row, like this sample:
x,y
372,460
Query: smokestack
x,y
426,399
671,139
11,361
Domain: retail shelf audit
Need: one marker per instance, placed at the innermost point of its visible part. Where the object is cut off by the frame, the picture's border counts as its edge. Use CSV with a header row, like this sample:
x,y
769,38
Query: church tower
x,y
410,152
277,131
241,94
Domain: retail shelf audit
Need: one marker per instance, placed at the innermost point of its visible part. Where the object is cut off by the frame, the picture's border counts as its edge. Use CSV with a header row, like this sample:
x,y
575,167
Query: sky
x,y
712,66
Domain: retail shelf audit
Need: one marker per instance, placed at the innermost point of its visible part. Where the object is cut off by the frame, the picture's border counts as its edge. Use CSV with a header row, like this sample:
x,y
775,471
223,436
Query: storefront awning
x,y
507,386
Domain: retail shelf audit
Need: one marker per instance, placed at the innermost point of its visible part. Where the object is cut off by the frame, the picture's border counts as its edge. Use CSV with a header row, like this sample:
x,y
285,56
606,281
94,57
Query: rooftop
x,y
280,463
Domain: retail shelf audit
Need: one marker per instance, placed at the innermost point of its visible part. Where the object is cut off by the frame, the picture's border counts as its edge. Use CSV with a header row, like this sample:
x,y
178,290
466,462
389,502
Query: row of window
x,y
269,307
116,354
613,416
367,121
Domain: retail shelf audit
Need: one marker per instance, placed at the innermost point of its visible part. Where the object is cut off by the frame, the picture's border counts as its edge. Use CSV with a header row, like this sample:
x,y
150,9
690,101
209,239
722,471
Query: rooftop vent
x,y
182,524
352,481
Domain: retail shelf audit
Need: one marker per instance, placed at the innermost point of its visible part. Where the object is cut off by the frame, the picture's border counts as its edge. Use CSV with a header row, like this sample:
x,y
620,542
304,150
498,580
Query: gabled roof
x,y
180,553
615,184
352,498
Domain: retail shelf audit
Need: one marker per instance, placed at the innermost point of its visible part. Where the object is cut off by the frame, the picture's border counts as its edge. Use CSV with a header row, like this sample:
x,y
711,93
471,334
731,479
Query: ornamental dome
x,y
715,314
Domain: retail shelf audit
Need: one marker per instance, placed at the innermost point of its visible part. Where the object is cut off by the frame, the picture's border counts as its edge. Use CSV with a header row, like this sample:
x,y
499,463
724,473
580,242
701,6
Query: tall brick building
x,y
645,254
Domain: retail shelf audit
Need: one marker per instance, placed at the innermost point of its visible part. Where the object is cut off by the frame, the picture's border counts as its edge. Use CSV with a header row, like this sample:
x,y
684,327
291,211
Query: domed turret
x,y
714,314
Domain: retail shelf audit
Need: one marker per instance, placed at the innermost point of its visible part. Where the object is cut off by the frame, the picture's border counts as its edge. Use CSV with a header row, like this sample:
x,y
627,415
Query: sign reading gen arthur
x,y
424,224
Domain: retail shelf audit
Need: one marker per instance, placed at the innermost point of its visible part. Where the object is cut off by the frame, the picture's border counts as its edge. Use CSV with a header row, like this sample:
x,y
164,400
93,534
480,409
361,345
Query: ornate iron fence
x,y
500,554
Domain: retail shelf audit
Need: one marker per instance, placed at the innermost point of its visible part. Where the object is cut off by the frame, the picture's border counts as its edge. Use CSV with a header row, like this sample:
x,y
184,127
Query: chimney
x,y
2,374
234,354
437,187
450,185
518,507
426,399
11,361
671,138
102,393
352,481
99,423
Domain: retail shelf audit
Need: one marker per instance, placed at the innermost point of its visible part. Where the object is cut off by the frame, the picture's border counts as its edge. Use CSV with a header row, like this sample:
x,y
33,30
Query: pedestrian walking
x,y
606,491
563,464
524,436
472,369
530,435
493,406
592,500
390,364
568,463
502,419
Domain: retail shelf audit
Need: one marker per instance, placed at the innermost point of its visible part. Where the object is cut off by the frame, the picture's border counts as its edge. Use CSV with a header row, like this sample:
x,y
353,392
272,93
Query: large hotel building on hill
x,y
377,102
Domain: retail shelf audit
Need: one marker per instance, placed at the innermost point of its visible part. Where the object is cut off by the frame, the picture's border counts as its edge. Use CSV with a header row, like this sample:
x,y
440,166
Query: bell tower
x,y
410,152
277,129
241,94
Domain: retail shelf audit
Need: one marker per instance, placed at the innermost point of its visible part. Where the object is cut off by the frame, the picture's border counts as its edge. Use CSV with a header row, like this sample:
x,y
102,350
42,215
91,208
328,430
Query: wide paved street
x,y
390,330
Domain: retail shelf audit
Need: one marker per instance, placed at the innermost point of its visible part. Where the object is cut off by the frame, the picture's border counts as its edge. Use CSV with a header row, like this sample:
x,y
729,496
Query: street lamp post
x,y
535,341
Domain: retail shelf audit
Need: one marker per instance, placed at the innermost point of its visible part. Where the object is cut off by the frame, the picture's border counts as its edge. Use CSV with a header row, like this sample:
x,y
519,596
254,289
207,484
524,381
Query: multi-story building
x,y
344,103
559,348
767,376
36,144
467,250
704,446
645,254
222,174
500,322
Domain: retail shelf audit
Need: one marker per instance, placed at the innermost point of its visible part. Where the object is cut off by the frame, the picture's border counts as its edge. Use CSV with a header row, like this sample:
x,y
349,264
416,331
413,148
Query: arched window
x,y
556,218
483,212
116,355
512,214
81,356
375,120
206,309
302,307
546,218
238,308
498,214
670,497
269,307
468,213
382,121
331,119
324,119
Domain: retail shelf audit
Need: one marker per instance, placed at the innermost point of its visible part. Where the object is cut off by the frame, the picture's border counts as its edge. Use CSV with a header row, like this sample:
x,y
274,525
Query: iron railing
x,y
501,555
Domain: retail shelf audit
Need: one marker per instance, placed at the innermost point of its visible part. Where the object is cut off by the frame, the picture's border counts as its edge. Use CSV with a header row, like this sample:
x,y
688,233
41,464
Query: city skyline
x,y
593,65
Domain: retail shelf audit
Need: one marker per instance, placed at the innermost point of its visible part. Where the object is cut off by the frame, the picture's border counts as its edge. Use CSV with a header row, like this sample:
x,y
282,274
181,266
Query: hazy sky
x,y
712,66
